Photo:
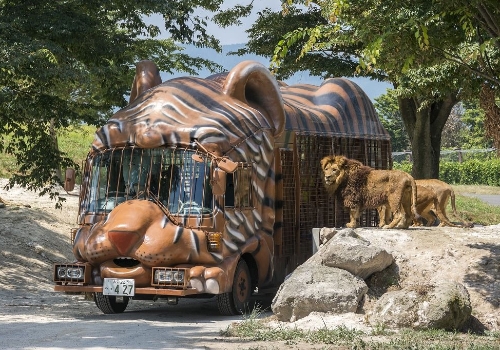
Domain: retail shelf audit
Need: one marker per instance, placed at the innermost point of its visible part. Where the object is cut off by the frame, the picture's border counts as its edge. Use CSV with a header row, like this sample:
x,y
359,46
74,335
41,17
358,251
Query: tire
x,y
109,305
236,301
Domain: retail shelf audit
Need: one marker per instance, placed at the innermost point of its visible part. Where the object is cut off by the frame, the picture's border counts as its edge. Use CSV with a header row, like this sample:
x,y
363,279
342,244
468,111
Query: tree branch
x,y
457,59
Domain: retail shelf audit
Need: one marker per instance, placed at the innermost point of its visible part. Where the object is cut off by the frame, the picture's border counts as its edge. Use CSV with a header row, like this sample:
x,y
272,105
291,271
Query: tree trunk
x,y
424,125
53,134
487,101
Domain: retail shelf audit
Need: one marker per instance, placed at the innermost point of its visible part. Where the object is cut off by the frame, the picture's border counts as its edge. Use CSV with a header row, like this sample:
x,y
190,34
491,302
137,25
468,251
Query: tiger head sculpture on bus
x,y
165,123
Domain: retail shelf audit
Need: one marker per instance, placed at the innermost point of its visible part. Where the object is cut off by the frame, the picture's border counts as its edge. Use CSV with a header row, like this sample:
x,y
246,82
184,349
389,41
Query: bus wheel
x,y
110,304
236,301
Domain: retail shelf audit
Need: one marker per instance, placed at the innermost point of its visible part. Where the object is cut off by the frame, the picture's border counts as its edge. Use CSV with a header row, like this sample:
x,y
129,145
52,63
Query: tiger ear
x,y
252,83
147,75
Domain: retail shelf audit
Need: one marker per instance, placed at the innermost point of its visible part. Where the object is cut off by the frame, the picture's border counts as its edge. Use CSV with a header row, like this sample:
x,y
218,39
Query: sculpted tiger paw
x,y
206,279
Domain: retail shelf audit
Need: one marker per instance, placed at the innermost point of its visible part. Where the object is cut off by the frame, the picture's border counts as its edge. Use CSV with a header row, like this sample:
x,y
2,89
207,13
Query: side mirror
x,y
218,182
69,182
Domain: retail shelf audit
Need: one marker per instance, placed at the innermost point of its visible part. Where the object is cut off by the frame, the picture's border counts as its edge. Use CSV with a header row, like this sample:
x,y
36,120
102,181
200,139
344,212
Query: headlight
x,y
70,273
166,276
162,276
61,272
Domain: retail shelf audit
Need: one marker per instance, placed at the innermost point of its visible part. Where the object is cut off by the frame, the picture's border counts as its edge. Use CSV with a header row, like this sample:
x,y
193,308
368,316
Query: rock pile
x,y
334,281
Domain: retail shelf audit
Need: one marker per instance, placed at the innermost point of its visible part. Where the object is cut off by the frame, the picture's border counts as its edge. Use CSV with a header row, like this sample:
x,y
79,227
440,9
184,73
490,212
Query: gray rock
x,y
325,234
350,252
442,306
317,288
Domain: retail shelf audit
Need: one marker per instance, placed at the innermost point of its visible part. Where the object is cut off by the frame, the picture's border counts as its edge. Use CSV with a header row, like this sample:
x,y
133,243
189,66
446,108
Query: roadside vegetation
x,y
253,328
74,142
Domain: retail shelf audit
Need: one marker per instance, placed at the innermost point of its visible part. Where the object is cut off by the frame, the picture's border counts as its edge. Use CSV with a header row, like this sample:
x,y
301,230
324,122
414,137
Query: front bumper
x,y
141,290
76,278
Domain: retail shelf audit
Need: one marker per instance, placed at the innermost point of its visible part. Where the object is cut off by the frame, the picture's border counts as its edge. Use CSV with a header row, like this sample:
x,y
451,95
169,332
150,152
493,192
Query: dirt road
x,y
49,321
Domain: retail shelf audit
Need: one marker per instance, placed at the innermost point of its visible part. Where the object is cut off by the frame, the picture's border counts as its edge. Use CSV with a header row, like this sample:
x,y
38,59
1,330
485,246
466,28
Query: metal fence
x,y
454,155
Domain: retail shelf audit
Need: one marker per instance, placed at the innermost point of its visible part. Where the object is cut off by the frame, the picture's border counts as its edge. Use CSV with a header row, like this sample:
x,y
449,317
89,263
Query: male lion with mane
x,y
362,187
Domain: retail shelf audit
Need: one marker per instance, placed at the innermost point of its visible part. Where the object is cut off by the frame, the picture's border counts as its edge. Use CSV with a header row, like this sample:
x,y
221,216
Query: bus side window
x,y
229,196
242,187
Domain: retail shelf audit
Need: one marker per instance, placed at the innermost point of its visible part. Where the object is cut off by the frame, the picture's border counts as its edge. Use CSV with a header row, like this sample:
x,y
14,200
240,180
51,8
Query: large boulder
x,y
317,288
442,306
348,251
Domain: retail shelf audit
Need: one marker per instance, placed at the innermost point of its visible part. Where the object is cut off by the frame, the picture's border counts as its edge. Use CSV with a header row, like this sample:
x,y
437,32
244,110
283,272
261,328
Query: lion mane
x,y
362,187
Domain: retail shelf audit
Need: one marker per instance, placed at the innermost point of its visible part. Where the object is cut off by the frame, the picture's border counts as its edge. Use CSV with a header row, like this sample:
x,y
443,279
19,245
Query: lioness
x,y
426,202
443,192
362,187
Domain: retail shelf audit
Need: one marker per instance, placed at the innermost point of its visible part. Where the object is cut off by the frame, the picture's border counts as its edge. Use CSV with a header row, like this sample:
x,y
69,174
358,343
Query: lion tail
x,y
453,206
416,215
454,209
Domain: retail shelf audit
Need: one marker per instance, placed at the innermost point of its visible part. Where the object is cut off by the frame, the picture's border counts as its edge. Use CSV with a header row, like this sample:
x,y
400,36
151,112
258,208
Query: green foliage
x,y
450,172
67,62
471,172
390,116
464,128
272,27
405,166
473,117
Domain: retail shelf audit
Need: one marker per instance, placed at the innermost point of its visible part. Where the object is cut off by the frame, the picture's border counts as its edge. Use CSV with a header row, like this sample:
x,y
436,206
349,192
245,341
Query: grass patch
x,y
476,189
75,141
476,211
254,328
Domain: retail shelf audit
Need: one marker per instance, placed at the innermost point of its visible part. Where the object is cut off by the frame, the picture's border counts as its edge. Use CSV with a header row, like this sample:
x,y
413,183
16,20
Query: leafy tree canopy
x,y
435,53
387,109
64,62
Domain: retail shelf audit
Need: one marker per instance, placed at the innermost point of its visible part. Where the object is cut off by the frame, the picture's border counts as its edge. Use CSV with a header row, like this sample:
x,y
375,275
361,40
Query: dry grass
x,y
476,189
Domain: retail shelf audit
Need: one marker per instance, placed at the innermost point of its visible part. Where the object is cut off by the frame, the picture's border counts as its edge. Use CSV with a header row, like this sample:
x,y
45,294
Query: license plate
x,y
117,286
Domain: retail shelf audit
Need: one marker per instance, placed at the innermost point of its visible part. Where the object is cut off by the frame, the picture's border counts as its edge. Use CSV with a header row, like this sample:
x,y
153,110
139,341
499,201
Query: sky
x,y
236,35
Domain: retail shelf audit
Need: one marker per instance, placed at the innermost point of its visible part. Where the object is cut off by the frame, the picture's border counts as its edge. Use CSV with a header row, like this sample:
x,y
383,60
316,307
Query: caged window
x,y
170,177
238,188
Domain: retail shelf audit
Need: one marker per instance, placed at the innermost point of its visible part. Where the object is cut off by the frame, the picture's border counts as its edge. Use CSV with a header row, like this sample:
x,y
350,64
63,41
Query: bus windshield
x,y
169,176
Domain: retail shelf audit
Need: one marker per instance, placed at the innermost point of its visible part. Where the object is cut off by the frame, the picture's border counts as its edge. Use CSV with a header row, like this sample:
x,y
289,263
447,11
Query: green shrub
x,y
450,172
404,166
470,172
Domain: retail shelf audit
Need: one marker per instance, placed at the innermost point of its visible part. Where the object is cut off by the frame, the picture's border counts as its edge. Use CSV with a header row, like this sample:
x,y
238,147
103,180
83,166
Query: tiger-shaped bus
x,y
211,187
